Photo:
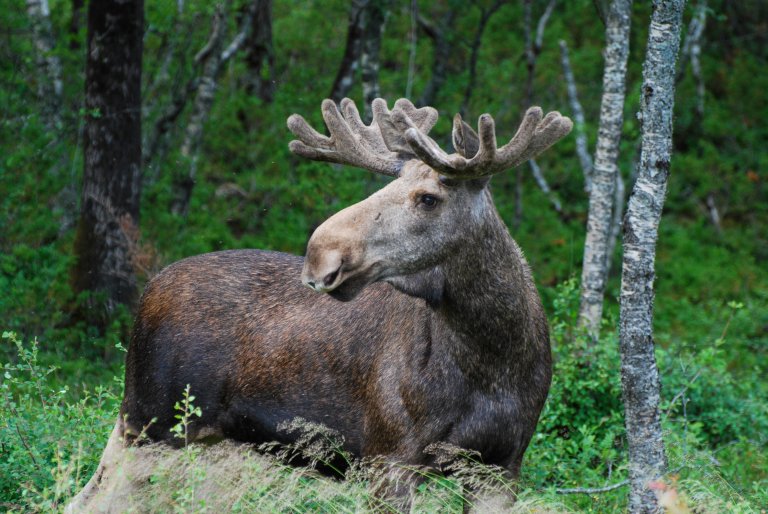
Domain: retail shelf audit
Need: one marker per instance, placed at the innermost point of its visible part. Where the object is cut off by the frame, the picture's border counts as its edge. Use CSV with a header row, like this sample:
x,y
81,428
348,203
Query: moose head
x,y
436,198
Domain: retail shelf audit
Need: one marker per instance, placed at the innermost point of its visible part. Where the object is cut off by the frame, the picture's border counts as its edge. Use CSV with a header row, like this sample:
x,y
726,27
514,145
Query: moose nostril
x,y
311,283
330,278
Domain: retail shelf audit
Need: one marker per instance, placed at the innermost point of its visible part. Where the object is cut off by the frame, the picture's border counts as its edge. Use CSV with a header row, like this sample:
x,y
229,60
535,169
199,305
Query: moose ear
x,y
465,139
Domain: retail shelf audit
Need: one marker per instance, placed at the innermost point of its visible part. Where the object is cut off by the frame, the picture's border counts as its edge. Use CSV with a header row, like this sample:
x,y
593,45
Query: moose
x,y
431,329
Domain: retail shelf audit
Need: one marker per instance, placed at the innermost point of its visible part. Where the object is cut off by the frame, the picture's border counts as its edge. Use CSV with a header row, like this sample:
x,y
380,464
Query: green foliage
x,y
49,442
59,398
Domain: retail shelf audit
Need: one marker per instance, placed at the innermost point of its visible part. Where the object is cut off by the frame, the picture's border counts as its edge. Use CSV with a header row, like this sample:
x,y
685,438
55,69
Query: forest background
x,y
62,377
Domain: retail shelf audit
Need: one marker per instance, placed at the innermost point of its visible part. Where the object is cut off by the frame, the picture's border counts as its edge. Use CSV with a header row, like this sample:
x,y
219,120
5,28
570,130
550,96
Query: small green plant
x,y
187,411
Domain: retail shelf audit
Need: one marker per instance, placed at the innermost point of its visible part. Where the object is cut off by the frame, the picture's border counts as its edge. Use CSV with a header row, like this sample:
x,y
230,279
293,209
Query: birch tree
x,y
108,225
639,373
49,84
211,59
602,178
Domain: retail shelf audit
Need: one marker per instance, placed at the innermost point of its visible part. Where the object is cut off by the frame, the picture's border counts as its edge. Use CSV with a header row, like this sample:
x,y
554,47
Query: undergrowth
x,y
715,424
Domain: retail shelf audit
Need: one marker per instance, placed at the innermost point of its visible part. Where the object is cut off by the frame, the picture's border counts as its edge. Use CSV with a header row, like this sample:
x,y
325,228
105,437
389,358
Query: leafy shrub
x,y
49,442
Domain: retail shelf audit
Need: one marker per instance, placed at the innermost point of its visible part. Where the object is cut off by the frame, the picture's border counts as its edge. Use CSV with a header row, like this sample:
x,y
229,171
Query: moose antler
x,y
380,146
478,155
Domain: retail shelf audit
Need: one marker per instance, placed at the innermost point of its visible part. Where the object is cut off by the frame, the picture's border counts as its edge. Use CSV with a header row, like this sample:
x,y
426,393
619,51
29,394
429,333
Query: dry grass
x,y
229,477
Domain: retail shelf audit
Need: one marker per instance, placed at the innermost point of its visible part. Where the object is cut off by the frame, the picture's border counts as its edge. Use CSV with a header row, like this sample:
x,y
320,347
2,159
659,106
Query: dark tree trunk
x,y
485,16
441,36
259,52
639,373
74,23
109,219
349,62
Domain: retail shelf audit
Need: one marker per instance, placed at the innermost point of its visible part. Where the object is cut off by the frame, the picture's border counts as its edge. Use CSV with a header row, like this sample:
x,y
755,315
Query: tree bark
x,y
260,53
618,215
49,84
603,182
346,75
108,225
639,373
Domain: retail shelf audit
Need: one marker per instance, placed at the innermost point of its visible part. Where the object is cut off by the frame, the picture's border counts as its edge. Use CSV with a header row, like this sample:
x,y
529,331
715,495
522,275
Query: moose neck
x,y
483,296
488,295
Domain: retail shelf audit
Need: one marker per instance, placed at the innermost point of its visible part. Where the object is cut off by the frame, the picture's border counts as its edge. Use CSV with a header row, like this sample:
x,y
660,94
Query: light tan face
x,y
410,225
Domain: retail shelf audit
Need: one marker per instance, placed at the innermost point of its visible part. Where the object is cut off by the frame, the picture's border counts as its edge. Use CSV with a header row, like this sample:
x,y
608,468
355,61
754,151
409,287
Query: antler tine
x,y
423,119
378,147
477,155
552,129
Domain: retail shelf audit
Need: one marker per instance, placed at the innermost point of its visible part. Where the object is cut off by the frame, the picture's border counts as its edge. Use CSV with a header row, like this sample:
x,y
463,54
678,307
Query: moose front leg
x,y
394,486
496,493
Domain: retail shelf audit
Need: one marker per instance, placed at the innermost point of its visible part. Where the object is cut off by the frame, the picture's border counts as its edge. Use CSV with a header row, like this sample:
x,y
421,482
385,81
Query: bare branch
x,y
543,23
582,148
692,51
692,37
542,182
210,60
714,214
593,490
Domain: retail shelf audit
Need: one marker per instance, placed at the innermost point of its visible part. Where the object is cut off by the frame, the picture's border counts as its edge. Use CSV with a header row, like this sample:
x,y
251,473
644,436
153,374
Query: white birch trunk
x,y
212,58
618,215
639,373
603,180
49,84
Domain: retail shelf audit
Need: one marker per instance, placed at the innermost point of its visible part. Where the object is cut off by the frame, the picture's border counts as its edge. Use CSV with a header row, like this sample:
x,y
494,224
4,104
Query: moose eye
x,y
428,201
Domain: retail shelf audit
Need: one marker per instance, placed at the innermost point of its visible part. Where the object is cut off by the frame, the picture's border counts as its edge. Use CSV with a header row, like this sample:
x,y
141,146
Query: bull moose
x,y
430,329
